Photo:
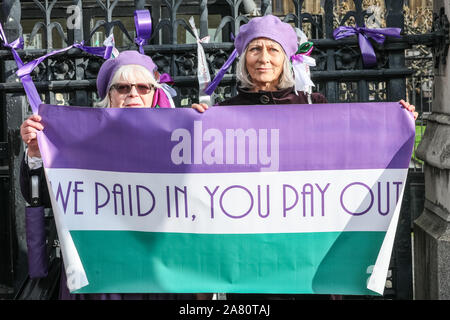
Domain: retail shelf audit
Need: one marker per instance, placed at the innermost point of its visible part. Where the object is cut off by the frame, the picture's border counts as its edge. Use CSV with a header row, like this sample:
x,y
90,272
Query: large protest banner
x,y
266,199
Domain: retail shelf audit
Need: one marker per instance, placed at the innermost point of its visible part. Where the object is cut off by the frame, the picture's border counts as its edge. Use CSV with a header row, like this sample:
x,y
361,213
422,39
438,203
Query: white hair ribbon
x,y
301,62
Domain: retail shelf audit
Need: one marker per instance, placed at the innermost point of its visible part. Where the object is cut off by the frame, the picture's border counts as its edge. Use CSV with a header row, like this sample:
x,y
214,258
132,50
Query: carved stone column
x,y
432,228
14,106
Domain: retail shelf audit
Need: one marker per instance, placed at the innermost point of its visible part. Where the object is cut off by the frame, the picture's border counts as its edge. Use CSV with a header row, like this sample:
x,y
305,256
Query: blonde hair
x,y
286,79
126,72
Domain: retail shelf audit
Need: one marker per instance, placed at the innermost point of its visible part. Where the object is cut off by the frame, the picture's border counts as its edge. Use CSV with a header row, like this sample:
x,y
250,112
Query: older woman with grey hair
x,y
265,76
264,72
266,46
129,81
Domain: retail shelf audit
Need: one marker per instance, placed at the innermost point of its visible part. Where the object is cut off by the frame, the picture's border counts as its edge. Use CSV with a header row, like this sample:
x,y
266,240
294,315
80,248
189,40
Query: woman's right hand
x,y
200,107
28,132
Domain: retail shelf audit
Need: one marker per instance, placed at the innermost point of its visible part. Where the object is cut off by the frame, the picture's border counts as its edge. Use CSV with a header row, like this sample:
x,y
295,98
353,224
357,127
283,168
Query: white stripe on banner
x,y
224,203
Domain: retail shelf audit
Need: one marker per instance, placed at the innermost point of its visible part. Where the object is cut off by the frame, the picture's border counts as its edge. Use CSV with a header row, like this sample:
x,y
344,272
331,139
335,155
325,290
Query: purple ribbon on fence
x,y
143,23
165,78
30,89
25,70
215,82
367,51
16,44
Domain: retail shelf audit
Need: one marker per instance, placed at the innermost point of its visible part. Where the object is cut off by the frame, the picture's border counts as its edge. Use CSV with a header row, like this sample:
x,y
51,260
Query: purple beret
x,y
110,66
270,27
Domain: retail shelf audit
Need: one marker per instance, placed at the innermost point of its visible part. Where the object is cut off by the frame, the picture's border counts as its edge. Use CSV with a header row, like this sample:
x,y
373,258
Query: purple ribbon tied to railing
x,y
30,89
25,70
215,82
364,34
143,24
220,74
34,216
16,44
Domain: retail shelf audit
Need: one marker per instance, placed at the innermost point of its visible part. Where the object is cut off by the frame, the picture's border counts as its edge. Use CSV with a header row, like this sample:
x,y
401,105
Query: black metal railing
x,y
69,78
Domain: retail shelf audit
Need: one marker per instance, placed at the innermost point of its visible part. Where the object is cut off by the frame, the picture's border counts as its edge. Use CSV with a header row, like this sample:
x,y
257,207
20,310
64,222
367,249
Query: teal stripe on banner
x,y
323,263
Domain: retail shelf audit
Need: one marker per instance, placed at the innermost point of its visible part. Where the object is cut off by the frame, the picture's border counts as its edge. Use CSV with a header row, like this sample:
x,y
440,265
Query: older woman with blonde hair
x,y
129,81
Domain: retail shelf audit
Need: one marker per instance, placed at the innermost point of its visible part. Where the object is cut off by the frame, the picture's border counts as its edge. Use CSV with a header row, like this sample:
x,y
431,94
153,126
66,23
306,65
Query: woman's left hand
x,y
409,107
200,107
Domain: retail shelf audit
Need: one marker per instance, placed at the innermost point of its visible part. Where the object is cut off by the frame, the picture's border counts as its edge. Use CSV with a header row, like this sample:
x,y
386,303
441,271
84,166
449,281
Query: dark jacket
x,y
283,96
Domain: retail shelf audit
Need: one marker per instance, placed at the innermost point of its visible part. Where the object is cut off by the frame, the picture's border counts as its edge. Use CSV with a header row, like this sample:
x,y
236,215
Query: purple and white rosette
x,y
301,64
143,24
28,85
110,51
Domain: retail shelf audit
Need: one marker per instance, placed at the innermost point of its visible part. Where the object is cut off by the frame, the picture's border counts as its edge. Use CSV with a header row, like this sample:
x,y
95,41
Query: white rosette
x,y
302,74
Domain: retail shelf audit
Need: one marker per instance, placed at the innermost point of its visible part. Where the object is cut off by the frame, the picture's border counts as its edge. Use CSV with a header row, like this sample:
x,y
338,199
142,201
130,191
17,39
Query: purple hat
x,y
270,27
110,66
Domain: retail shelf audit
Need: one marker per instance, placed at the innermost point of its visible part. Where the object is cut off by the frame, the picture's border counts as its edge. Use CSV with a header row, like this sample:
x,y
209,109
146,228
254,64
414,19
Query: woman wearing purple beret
x,y
265,76
266,46
129,81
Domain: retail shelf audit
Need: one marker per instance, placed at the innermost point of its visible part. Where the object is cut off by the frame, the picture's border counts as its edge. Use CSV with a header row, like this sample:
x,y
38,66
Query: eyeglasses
x,y
125,88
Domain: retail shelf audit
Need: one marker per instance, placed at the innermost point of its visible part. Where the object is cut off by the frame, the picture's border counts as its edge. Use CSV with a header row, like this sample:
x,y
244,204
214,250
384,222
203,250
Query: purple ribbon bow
x,y
30,89
25,71
367,51
165,78
143,23
16,44
215,82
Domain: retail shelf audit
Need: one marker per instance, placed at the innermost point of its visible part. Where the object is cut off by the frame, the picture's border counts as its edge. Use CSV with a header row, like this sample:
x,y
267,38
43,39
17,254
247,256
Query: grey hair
x,y
286,78
126,72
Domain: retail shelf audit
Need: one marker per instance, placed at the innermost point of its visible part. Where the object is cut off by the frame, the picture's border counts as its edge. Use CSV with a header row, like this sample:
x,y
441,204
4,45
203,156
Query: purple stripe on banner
x,y
283,138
